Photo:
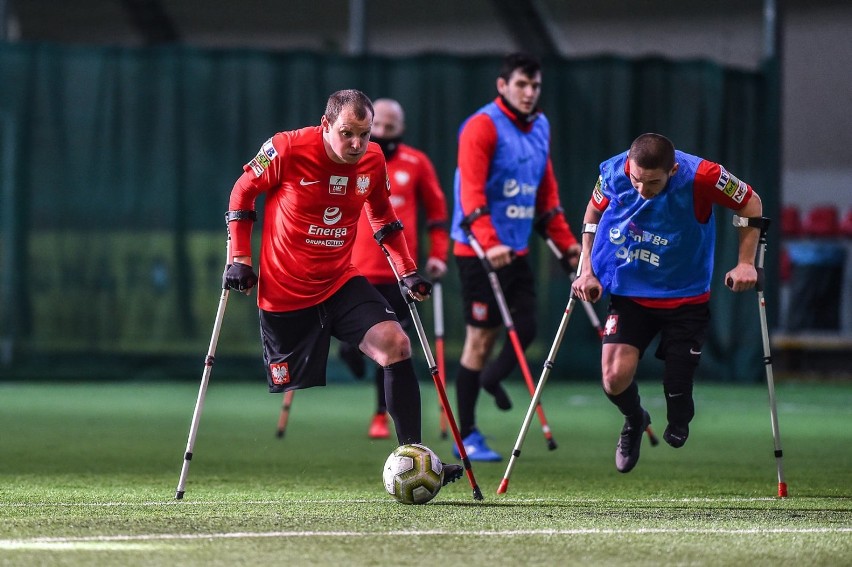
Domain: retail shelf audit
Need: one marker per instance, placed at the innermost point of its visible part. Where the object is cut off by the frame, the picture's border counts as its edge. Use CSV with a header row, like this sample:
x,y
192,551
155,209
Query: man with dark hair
x,y
504,181
648,241
414,189
317,180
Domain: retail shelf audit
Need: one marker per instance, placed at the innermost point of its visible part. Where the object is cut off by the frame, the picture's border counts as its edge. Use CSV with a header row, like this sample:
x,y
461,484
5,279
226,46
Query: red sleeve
x,y
380,213
259,175
547,199
714,184
431,197
477,143
599,200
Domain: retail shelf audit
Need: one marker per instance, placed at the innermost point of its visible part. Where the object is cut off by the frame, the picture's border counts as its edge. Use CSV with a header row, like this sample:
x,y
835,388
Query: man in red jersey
x,y
317,180
414,186
504,180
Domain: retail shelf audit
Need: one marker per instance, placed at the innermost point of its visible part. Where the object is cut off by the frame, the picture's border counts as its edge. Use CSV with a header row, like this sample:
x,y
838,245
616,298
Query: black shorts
x,y
681,328
296,343
393,296
480,305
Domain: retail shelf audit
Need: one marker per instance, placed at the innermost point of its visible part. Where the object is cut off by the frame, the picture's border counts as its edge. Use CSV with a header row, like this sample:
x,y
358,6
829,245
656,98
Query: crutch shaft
x,y
510,330
202,392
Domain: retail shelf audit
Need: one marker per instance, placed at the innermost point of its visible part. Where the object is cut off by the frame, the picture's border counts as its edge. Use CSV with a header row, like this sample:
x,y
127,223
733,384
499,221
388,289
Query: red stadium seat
x,y
791,222
822,222
846,224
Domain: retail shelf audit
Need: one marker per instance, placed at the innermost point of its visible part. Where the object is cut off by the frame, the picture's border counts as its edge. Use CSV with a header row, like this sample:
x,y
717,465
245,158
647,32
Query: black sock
x,y
381,403
628,402
467,391
403,400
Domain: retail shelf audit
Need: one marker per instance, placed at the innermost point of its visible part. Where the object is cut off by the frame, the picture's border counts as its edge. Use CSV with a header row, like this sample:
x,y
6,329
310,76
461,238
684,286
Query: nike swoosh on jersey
x,y
303,182
692,351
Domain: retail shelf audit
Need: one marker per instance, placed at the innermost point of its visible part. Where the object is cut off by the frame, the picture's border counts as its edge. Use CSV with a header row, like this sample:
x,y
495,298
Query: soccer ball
x,y
413,474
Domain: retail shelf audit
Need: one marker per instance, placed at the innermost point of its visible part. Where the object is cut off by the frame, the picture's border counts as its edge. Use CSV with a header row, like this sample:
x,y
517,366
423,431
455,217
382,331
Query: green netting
x,y
117,164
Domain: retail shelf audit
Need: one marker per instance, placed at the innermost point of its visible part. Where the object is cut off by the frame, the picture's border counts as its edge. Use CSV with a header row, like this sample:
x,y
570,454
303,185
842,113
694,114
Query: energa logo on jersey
x,y
332,215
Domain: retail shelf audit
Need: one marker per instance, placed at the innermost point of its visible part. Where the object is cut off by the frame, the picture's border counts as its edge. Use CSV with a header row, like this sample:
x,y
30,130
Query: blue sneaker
x,y
477,449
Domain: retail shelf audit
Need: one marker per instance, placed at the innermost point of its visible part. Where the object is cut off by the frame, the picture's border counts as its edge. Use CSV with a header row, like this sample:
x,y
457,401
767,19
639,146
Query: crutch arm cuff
x,y
389,228
240,215
468,220
540,223
751,222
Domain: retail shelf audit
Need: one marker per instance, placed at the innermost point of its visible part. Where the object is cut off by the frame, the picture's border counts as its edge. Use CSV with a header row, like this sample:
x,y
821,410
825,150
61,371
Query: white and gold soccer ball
x,y
413,474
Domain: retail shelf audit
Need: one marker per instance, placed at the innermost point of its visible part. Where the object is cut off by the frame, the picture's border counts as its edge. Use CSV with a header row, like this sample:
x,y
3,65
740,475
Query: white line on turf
x,y
284,500
64,542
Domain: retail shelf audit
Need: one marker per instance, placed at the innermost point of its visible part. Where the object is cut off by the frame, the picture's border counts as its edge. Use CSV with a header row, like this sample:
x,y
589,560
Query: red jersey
x,y
413,184
310,217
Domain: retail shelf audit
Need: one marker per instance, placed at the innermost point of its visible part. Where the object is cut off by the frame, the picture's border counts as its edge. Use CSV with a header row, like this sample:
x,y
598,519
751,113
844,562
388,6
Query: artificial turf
x,y
88,473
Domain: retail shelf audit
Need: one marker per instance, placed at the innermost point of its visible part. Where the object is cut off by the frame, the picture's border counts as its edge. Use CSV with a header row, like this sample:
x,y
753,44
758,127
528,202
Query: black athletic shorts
x,y
393,296
683,328
480,305
296,343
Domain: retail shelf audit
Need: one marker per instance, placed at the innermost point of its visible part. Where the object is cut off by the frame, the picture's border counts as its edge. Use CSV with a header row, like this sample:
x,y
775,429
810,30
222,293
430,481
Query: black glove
x,y
417,283
240,277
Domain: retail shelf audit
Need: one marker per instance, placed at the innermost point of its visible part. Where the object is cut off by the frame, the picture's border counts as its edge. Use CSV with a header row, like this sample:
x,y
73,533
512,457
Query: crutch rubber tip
x,y
443,435
477,494
504,485
551,444
280,433
179,495
782,490
652,438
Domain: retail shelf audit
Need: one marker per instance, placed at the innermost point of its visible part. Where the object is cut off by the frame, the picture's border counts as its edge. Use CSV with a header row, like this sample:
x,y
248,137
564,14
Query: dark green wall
x,y
117,165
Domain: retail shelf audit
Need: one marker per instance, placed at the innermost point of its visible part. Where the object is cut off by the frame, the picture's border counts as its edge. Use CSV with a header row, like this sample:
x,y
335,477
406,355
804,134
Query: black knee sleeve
x,y
506,361
525,326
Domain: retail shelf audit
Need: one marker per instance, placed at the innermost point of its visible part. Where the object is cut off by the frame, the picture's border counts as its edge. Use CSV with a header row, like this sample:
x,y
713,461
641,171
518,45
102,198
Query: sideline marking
x,y
65,542
372,501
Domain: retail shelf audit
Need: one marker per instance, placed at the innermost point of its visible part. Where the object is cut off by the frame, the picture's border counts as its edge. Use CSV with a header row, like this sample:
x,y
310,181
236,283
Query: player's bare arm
x,y
744,275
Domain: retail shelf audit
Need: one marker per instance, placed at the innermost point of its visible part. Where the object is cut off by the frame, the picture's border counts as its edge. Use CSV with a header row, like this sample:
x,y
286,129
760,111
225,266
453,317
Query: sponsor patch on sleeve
x,y
597,193
731,186
263,158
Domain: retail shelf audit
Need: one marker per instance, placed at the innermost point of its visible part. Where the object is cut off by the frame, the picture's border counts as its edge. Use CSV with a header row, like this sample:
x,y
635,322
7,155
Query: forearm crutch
x,y
286,404
540,225
545,374
205,380
762,223
507,321
438,302
430,360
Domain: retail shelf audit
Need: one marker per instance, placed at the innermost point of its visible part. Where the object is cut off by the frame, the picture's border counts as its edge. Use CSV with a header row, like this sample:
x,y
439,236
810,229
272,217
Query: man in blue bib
x,y
648,241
